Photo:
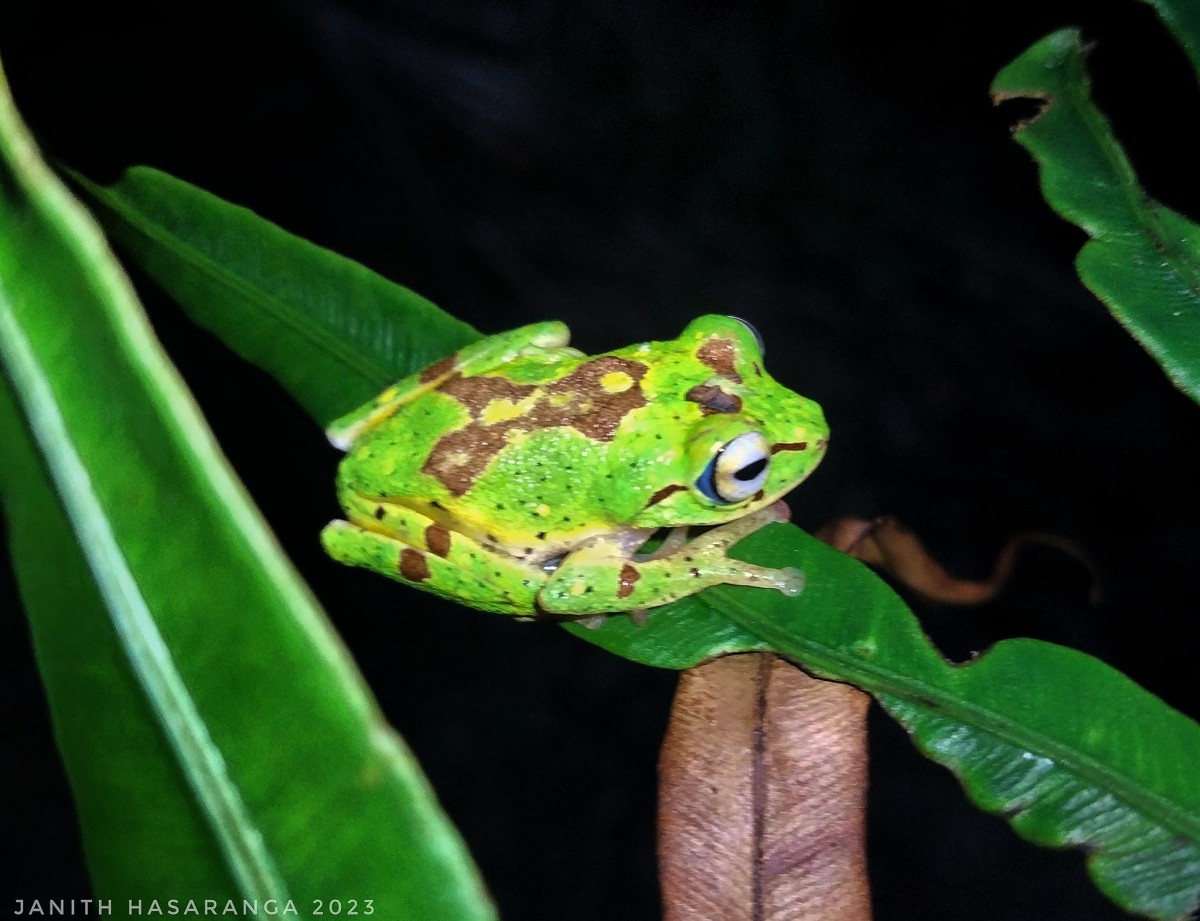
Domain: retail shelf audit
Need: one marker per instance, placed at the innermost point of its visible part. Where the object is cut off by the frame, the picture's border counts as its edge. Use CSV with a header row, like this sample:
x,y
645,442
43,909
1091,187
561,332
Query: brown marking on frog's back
x,y
576,401
720,355
475,393
413,566
713,399
459,457
600,412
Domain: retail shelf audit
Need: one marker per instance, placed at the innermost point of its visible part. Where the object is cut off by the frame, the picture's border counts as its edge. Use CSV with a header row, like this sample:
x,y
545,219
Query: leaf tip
x,y
1032,77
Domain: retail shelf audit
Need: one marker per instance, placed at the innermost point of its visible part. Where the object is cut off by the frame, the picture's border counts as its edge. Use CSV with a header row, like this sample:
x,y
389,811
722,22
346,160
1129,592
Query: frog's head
x,y
743,439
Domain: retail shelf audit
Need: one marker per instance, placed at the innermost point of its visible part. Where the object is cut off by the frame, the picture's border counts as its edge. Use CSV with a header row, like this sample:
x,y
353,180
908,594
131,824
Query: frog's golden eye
x,y
738,470
762,348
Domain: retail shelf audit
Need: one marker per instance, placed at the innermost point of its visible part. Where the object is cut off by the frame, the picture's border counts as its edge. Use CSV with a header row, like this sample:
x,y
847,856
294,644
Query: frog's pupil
x,y
750,471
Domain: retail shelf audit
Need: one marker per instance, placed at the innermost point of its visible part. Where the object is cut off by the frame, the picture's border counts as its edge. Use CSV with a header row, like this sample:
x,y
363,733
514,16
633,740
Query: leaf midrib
x,y
241,841
199,758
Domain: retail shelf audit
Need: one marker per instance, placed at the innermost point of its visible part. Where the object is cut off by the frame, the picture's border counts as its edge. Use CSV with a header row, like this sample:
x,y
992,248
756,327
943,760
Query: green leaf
x,y
1068,750
219,742
676,636
1026,718
333,332
1143,260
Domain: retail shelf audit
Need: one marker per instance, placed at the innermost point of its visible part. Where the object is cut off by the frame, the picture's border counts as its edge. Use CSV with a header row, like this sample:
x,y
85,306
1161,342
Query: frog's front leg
x,y
603,576
428,556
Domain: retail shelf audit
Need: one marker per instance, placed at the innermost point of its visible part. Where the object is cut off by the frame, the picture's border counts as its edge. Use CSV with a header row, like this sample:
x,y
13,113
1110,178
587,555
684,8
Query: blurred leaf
x,y
219,742
1024,718
1143,260
330,330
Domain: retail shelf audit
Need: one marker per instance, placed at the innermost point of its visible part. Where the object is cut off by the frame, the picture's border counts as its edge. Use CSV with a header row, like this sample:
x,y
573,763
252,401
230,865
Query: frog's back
x,y
537,428
513,449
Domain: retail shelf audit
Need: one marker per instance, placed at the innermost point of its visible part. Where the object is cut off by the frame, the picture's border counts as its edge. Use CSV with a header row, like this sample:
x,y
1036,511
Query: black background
x,y
834,172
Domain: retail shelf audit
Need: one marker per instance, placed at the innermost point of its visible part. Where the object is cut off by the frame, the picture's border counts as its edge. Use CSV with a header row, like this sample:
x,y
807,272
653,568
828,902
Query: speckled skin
x,y
468,478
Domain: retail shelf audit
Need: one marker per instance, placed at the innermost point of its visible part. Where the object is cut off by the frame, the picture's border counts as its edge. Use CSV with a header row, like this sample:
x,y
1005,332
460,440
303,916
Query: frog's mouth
x,y
699,514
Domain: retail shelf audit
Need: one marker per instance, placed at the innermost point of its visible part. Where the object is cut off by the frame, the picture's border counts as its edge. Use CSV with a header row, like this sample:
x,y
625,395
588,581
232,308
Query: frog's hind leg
x,y
603,577
442,562
475,358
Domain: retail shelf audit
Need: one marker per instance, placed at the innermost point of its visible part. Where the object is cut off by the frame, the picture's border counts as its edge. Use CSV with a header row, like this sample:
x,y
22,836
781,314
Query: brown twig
x,y
888,545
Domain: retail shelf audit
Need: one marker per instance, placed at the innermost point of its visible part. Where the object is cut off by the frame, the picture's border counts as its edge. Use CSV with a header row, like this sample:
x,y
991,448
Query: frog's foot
x,y
440,561
603,576
788,580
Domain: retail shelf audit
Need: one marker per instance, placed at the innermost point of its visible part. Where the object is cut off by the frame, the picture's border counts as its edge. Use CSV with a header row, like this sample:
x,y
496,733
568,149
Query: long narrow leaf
x,y
271,774
303,312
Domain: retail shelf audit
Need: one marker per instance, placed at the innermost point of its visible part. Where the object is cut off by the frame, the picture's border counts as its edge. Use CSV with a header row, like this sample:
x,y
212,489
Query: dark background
x,y
834,172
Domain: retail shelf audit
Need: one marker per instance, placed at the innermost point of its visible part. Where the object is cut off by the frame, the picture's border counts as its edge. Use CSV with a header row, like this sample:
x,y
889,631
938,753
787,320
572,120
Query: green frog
x,y
521,476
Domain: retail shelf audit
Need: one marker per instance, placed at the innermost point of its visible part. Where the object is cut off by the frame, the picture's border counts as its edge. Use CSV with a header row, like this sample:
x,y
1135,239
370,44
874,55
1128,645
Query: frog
x,y
521,476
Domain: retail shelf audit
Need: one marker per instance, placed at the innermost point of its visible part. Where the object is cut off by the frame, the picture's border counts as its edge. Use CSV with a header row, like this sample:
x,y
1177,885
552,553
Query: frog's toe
x,y
333,534
790,581
779,511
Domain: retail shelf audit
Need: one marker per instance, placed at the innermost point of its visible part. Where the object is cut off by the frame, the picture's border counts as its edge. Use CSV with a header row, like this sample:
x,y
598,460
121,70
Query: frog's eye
x,y
762,348
738,470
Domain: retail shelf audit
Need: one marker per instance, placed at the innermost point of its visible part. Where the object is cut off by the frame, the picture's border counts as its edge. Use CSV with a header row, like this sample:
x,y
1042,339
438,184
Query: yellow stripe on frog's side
x,y
390,517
